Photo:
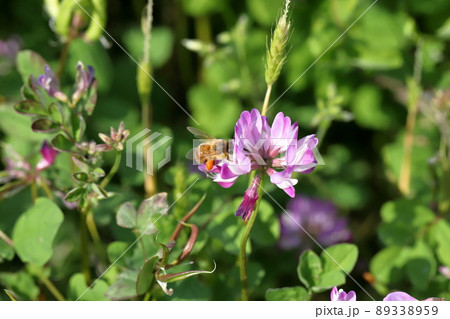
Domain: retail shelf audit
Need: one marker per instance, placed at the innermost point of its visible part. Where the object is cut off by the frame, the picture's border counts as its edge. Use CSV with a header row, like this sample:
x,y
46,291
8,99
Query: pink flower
x,y
272,149
48,157
341,295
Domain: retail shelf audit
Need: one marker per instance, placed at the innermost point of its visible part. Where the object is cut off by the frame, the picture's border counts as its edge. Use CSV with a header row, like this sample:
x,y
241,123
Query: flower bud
x,y
245,209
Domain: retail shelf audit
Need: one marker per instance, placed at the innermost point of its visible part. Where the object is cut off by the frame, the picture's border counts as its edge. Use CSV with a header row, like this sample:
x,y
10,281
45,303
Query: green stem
x,y
266,99
444,205
34,193
84,248
46,189
63,58
242,252
51,287
322,130
90,223
147,296
113,170
408,140
6,239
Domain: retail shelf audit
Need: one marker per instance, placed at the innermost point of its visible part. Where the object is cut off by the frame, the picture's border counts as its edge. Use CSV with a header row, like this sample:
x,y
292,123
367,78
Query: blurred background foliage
x,y
208,55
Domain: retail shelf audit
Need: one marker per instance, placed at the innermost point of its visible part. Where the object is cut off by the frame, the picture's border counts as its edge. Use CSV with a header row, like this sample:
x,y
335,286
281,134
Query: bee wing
x,y
199,133
190,154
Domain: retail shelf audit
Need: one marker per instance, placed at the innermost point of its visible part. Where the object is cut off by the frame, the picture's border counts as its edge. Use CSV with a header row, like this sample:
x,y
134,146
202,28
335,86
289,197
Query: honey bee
x,y
211,150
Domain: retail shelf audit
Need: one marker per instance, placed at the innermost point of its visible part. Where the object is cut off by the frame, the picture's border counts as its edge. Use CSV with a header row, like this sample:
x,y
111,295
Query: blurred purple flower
x,y
319,218
341,295
48,157
403,296
258,146
8,51
50,84
83,81
399,296
10,47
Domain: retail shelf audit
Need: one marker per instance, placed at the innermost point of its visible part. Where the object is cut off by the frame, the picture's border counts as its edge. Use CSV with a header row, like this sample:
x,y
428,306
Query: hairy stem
x,y
245,237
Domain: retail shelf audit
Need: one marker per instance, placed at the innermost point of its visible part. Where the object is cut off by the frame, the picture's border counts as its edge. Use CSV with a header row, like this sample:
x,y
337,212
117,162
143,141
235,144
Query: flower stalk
x,y
245,237
113,170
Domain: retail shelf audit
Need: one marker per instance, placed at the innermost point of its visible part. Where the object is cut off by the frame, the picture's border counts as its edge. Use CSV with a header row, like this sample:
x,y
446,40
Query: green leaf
x,y
81,176
115,251
143,219
149,211
406,212
45,126
161,44
369,109
396,234
79,126
309,268
30,107
403,219
340,256
6,251
146,276
35,230
266,229
21,283
421,266
75,194
387,265
265,11
30,63
328,280
288,294
124,287
126,216
61,143
440,232
77,287
203,101
56,112
202,7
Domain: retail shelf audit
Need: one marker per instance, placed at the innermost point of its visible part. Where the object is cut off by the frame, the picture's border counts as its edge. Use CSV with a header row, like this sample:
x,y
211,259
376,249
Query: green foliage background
x,y
357,93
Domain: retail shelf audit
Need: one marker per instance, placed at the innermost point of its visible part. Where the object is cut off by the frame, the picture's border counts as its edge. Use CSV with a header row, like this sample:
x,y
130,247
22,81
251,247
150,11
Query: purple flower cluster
x,y
318,218
341,295
272,149
50,83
